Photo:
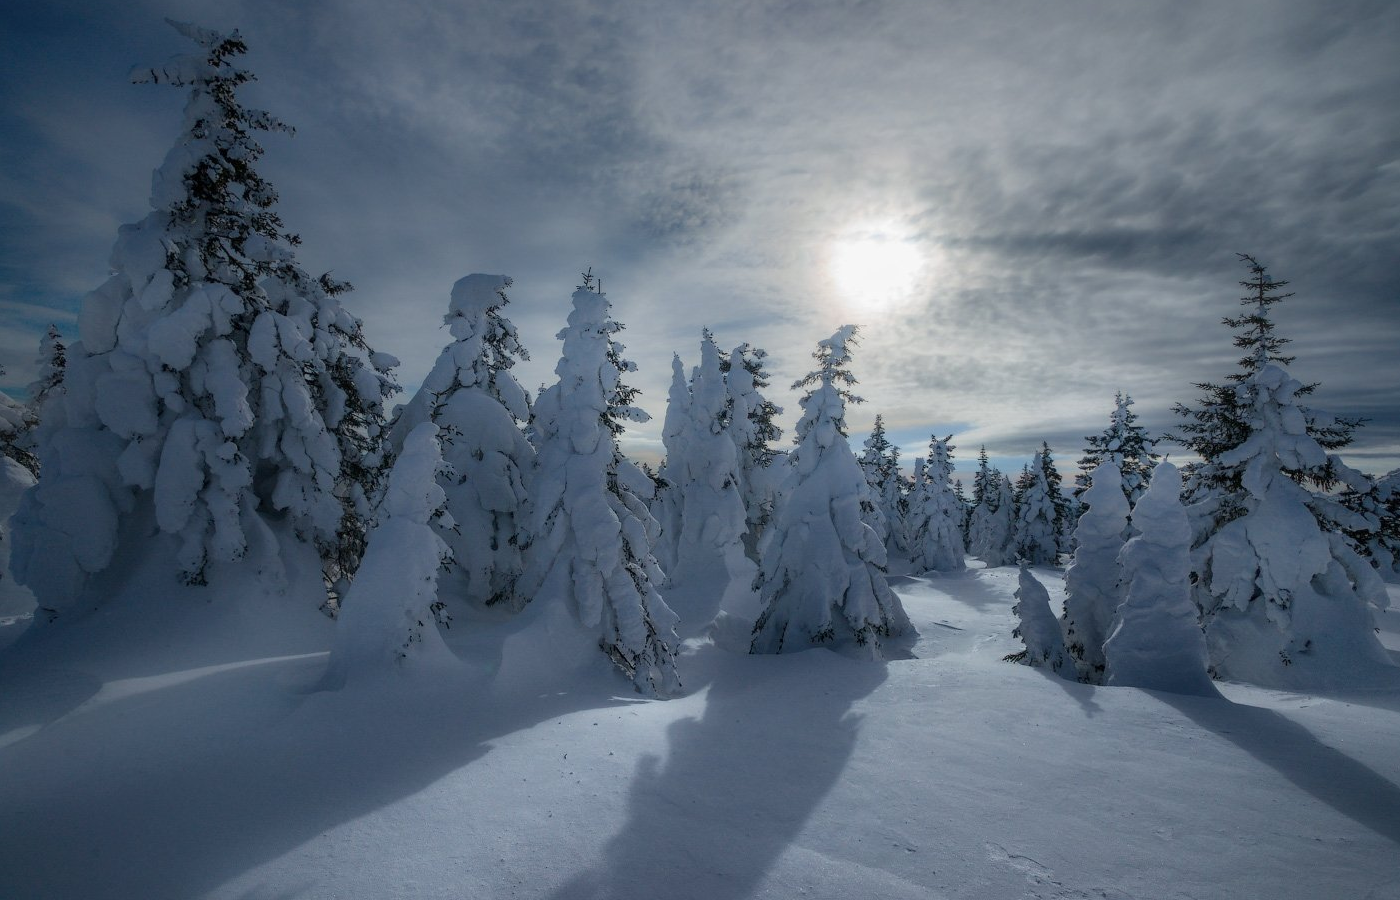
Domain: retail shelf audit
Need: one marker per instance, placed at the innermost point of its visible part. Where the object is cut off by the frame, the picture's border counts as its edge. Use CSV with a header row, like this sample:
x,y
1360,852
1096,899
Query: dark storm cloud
x,y
1079,178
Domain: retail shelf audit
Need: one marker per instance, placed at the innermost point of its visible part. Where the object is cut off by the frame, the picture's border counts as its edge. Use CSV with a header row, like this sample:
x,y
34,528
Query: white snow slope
x,y
948,775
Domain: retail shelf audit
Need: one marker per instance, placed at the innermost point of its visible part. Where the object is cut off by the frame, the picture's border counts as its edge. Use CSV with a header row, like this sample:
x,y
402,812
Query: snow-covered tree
x,y
754,430
993,526
1093,586
17,424
591,531
823,580
479,408
1284,597
215,382
935,515
387,616
1375,528
1038,630
1125,444
1038,514
51,364
17,474
702,471
964,510
1155,640
667,502
880,463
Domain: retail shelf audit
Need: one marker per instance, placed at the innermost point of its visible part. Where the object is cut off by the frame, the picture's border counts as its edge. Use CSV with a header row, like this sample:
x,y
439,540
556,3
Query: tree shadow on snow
x,y
968,586
1349,787
154,796
738,784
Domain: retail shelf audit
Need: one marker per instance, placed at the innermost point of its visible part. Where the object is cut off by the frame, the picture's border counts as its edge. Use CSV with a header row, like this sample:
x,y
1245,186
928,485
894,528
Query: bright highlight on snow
x,y
875,267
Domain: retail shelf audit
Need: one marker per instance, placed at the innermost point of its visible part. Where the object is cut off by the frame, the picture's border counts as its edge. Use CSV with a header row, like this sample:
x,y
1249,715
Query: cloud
x,y
1078,179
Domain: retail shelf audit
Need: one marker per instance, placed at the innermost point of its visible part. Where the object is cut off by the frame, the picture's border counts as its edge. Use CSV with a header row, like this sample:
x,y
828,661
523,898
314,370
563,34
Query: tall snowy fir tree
x,y
1154,640
51,364
667,502
590,560
702,471
1284,597
823,580
1039,519
1376,531
18,468
1125,444
991,523
17,424
1092,581
480,410
754,430
388,615
935,515
214,383
880,463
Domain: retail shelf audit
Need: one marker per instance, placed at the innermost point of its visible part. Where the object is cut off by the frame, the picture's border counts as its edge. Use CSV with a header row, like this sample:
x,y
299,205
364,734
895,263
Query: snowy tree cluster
x,y
221,407
1264,566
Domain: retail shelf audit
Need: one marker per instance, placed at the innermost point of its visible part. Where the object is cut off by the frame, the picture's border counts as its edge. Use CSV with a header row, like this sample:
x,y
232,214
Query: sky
x,y
1027,206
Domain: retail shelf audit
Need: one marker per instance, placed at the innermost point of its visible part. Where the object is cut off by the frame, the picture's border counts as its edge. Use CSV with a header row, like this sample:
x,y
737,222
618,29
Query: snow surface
x,y
145,761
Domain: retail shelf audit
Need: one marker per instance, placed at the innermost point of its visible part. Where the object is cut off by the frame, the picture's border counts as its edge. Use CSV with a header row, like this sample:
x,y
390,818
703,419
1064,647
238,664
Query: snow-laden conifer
x,y
668,501
754,430
702,472
387,616
1284,597
50,364
17,425
480,409
214,381
1374,526
1155,640
1038,630
823,579
993,527
935,515
16,477
1038,516
880,463
1125,444
1093,586
591,531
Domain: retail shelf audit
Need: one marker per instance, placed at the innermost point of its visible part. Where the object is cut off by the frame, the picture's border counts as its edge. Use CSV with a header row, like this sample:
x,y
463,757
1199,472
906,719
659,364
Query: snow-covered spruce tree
x,y
754,430
479,409
1125,444
964,510
1284,597
703,471
1038,521
388,614
1093,586
880,463
51,364
1038,630
935,515
591,532
1155,638
17,424
1377,502
993,526
668,500
823,580
215,382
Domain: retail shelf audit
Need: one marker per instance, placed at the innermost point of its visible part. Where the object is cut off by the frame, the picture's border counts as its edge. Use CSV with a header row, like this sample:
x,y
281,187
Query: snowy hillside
x,y
188,766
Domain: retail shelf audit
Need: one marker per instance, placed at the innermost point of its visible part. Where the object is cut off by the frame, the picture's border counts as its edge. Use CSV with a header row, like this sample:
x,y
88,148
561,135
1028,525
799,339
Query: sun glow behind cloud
x,y
874,268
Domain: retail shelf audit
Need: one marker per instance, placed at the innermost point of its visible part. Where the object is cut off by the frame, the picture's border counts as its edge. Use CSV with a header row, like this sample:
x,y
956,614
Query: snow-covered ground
x,y
145,762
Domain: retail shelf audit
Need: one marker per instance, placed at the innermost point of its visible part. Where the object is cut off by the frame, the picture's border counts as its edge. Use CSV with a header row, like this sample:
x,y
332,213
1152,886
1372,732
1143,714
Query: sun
x,y
875,267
